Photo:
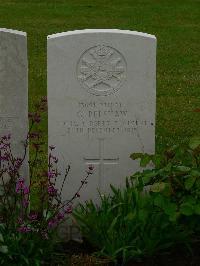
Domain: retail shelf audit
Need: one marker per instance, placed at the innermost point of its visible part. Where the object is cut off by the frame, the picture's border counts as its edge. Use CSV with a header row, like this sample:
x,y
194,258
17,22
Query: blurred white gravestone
x,y
14,90
101,104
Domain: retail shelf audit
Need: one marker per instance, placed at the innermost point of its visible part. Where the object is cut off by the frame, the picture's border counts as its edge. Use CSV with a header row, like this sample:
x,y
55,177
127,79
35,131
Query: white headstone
x,y
101,102
14,89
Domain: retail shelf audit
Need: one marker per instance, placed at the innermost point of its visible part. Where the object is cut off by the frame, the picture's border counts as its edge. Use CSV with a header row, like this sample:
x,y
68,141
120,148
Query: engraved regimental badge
x,y
101,70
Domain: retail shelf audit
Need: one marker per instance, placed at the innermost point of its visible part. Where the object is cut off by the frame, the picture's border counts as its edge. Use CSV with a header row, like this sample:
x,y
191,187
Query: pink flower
x,y
25,203
4,158
3,146
60,216
52,223
24,229
33,216
18,163
26,190
19,185
51,190
68,209
51,174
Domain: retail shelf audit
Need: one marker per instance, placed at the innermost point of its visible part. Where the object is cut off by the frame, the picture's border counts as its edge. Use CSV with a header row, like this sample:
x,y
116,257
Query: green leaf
x,y
183,168
1,238
159,201
157,187
194,142
170,209
173,217
2,226
2,191
47,214
110,229
136,155
190,200
143,215
197,184
147,175
186,209
195,173
146,179
3,249
25,259
114,190
168,167
197,209
157,160
130,216
189,182
146,158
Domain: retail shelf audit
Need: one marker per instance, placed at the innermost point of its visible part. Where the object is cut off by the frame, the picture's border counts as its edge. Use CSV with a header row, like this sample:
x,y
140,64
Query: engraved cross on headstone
x,y
101,161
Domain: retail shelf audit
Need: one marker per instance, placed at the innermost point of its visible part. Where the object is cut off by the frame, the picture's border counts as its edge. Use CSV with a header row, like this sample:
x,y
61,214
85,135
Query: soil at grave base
x,y
80,254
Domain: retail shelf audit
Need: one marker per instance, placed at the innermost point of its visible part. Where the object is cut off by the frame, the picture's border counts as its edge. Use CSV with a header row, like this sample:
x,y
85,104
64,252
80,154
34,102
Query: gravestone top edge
x,y
13,31
85,31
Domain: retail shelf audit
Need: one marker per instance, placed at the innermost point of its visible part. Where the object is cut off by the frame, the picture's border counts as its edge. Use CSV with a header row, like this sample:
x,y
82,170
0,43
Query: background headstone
x,y
14,89
101,104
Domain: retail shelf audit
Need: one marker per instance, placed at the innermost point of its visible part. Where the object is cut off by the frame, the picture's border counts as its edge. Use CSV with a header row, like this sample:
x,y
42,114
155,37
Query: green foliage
x,y
27,236
158,208
128,225
174,183
21,249
29,249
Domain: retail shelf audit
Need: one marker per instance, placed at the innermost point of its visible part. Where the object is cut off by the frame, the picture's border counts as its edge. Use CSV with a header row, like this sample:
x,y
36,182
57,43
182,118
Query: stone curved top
x,y
76,32
13,31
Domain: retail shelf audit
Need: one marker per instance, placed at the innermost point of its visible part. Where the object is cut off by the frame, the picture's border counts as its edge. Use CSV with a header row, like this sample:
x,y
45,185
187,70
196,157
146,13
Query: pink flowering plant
x,y
18,219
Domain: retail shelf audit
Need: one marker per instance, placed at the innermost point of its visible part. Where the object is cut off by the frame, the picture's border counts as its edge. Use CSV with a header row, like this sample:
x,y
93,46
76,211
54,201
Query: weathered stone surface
x,y
101,98
14,89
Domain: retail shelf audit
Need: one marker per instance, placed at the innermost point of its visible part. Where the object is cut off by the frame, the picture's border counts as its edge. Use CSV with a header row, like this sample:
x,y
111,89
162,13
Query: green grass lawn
x,y
176,24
